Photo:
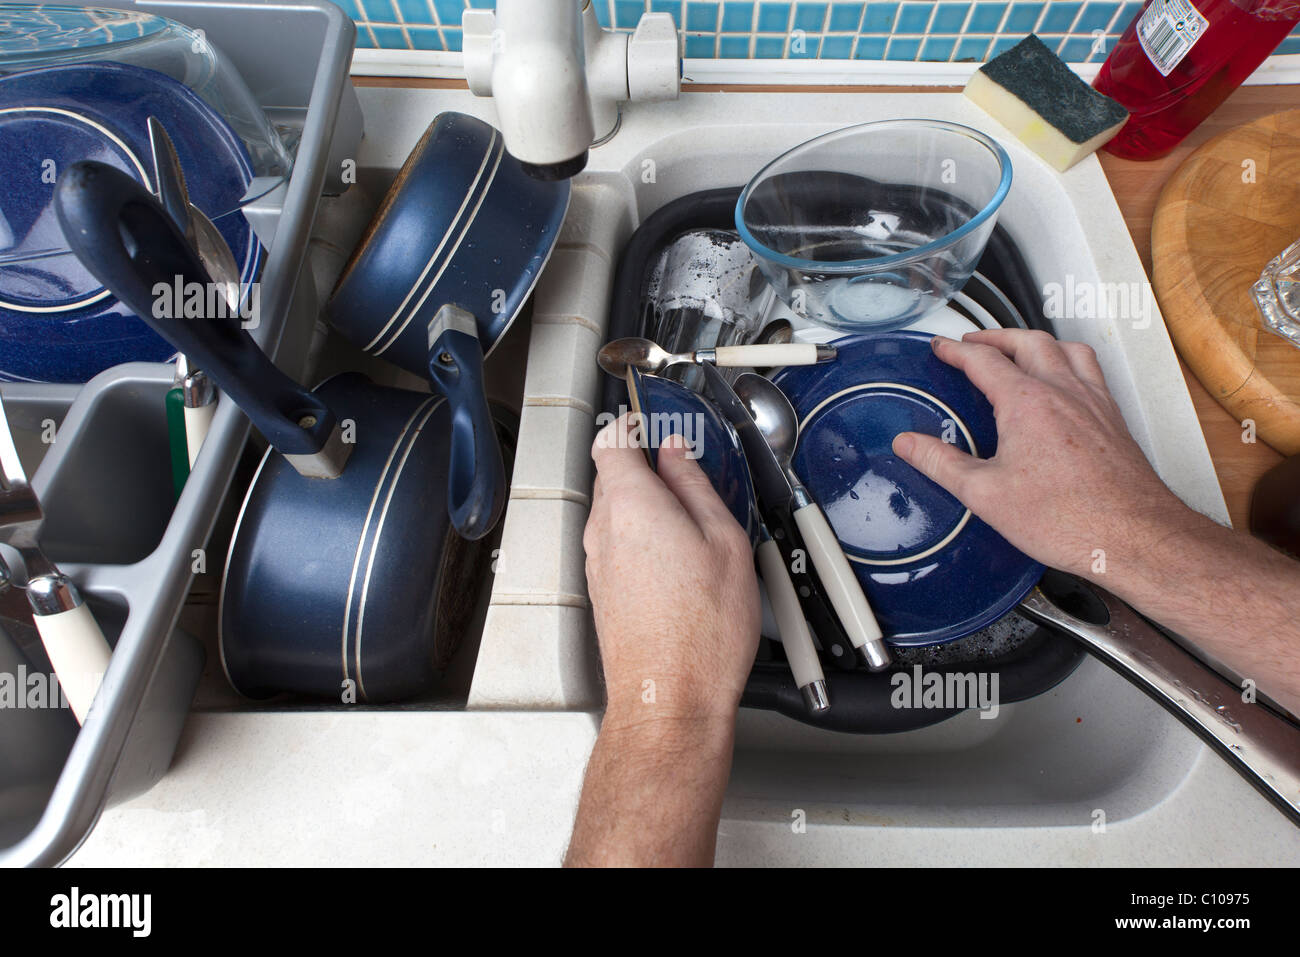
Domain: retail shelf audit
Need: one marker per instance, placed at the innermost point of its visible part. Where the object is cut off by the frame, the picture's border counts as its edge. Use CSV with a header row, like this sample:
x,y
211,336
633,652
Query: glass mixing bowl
x,y
874,226
39,35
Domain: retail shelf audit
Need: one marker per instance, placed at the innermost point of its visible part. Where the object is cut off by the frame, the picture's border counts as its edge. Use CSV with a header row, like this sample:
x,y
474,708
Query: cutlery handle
x,y
197,422
841,585
817,609
795,637
1258,743
769,354
76,647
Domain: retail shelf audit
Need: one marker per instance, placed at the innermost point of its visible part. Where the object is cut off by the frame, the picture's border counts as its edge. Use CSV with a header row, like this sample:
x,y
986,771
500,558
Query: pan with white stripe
x,y
462,225
331,580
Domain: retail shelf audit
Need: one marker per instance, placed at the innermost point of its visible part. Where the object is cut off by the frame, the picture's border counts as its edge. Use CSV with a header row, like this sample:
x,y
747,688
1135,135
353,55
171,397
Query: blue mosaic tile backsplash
x,y
929,30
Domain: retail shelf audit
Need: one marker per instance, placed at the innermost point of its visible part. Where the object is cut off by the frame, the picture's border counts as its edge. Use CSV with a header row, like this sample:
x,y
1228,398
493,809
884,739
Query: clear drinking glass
x,y
705,291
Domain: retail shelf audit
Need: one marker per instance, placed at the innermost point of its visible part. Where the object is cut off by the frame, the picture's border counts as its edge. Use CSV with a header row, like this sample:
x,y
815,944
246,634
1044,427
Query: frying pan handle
x,y
1262,746
476,475
128,242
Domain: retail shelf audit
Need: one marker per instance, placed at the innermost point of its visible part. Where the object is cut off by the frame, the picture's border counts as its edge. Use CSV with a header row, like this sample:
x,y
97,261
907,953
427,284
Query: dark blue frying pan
x,y
333,572
462,226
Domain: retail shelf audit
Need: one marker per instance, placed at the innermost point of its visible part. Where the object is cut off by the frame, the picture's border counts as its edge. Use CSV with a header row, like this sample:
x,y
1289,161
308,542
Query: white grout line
x,y
1110,29
961,35
401,25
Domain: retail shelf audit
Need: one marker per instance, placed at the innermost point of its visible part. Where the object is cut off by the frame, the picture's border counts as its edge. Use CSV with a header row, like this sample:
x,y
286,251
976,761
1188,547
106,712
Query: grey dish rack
x,y
105,480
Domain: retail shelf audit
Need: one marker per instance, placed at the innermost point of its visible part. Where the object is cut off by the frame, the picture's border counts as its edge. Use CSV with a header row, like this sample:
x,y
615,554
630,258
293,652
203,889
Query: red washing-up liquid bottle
x,y
1179,59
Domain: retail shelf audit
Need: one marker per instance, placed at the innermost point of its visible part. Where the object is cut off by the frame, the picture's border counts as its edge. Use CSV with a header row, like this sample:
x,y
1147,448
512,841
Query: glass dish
x,y
1277,294
33,36
872,227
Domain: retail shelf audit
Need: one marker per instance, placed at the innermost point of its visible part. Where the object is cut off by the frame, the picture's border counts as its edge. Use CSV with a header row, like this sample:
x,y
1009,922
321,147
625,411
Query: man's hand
x,y
672,584
1070,487
1068,478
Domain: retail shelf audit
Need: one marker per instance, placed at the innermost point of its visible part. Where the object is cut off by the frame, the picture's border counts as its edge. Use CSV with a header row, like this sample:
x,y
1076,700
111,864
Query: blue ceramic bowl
x,y
57,323
668,408
932,570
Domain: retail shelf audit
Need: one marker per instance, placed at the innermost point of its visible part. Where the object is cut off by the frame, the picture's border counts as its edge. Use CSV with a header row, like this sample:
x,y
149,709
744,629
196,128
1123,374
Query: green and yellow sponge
x,y
1031,92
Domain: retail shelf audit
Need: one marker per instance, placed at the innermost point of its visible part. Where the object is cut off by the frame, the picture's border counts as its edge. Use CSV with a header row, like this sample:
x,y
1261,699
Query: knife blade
x,y
769,478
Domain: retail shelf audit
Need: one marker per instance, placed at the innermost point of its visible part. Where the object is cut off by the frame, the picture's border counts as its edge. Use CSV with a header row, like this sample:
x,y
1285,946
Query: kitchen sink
x,y
1094,743
502,746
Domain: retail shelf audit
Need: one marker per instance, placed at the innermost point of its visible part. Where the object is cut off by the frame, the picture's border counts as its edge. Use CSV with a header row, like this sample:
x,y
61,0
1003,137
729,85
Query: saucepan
x,y
332,578
462,225
935,573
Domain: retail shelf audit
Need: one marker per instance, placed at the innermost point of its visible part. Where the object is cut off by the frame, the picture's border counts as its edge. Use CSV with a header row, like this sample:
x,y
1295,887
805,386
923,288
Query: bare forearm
x,y
653,794
1229,594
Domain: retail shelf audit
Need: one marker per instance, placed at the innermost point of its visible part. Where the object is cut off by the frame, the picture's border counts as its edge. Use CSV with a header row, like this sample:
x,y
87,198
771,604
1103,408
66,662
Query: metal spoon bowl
x,y
776,419
774,416
615,357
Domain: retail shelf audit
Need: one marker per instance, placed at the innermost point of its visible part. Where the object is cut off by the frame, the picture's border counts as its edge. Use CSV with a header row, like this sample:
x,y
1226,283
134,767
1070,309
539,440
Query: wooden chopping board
x,y
1213,232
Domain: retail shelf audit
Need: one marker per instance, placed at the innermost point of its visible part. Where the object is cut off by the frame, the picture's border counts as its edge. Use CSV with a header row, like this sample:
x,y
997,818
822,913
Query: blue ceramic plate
x,y
57,323
672,409
932,570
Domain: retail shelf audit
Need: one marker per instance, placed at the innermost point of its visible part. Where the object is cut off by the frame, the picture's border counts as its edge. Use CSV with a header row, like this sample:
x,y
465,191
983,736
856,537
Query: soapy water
x,y
875,302
884,519
1003,637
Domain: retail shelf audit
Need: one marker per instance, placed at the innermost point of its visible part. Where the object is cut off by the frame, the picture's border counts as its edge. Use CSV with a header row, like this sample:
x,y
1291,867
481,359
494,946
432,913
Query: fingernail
x,y
673,440
903,444
934,341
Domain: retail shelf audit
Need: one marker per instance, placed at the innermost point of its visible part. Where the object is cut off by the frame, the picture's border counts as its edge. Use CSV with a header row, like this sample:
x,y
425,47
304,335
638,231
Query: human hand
x,y
671,578
1068,479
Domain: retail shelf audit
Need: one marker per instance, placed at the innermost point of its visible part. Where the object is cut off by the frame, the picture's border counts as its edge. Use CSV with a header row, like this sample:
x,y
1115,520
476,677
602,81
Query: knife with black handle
x,y
776,509
817,608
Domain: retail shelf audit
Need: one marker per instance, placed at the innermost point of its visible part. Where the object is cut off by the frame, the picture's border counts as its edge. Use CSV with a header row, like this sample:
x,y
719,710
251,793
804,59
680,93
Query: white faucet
x,y
558,77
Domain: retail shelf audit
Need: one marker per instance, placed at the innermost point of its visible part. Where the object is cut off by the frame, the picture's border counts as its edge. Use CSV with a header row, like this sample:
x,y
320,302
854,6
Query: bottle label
x,y
1168,30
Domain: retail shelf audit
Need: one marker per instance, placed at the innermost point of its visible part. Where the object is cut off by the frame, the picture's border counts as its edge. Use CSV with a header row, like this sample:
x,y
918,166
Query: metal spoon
x,y
214,252
776,419
198,393
651,358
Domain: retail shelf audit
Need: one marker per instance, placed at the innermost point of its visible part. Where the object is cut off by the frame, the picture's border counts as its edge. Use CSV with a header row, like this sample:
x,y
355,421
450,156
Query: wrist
x,y
1154,542
652,728
682,693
